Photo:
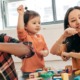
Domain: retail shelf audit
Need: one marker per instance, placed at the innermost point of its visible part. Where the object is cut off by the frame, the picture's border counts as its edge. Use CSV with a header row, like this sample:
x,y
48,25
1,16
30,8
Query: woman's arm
x,y
58,47
17,49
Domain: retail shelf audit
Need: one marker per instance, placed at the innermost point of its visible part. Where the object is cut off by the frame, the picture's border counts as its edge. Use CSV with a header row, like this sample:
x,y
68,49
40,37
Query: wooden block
x,y
65,76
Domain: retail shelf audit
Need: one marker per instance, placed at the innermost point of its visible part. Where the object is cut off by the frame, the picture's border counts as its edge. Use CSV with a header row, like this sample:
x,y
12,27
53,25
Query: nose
x,y
38,25
78,21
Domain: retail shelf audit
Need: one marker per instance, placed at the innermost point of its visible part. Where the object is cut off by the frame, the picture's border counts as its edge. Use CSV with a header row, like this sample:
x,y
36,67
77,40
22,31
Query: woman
x,y
68,45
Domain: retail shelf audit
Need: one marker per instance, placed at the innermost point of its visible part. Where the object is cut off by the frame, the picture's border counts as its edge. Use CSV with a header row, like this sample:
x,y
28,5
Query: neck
x,y
31,33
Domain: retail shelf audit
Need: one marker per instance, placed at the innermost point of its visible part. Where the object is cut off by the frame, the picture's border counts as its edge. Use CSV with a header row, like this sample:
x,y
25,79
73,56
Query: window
x,y
63,5
44,9
0,17
51,11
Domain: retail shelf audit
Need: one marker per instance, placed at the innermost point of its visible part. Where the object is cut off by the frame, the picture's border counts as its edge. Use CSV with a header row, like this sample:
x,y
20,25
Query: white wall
x,y
51,33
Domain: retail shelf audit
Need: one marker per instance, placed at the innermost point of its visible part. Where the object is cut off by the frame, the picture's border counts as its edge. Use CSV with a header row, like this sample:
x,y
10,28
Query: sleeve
x,y
45,45
32,52
22,34
5,38
2,37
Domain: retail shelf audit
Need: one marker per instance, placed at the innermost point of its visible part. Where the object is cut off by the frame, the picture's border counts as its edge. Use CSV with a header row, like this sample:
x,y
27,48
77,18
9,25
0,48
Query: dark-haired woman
x,y
68,45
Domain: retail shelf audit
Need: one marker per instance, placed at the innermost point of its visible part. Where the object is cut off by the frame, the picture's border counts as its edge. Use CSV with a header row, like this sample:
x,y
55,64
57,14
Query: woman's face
x,y
74,19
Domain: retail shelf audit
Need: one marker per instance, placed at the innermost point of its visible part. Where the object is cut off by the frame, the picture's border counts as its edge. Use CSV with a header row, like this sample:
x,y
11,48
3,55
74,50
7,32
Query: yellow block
x,y
65,76
77,72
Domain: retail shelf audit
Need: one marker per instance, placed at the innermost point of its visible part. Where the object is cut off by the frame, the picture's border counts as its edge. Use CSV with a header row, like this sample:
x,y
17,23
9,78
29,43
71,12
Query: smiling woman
x,y
71,45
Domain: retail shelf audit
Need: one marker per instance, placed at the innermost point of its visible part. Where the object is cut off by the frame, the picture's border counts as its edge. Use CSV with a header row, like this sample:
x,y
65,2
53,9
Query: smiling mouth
x,y
77,28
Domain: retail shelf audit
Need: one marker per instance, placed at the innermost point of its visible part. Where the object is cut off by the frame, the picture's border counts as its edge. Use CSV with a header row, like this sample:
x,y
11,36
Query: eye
x,y
73,20
34,22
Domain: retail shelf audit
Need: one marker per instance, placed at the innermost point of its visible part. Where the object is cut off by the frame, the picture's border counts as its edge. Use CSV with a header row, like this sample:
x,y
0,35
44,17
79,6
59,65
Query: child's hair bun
x,y
26,8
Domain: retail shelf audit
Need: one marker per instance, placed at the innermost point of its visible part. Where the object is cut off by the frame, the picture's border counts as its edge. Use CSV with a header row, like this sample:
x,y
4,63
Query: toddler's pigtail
x,y
26,8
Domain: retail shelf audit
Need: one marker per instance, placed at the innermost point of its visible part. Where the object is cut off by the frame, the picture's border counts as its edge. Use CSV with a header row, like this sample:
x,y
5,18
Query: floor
x,y
18,66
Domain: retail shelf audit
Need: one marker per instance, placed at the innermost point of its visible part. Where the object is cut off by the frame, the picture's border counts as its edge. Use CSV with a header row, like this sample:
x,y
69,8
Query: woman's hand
x,y
65,56
70,31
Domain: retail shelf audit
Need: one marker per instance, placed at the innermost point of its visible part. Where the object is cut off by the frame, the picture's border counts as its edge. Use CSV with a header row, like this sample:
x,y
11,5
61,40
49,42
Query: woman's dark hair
x,y
29,14
66,23
72,42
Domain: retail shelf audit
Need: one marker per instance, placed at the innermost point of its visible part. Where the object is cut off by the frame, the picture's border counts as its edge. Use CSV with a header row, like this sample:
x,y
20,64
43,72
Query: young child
x,y
27,29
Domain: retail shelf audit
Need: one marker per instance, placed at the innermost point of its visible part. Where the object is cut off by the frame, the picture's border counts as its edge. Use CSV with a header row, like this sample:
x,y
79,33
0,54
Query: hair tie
x,y
26,8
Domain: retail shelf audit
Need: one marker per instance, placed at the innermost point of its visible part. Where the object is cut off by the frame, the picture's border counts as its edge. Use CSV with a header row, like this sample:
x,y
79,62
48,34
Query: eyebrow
x,y
74,17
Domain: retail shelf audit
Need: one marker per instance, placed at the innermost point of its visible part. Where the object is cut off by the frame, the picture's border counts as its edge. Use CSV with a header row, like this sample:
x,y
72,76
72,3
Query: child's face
x,y
74,19
33,26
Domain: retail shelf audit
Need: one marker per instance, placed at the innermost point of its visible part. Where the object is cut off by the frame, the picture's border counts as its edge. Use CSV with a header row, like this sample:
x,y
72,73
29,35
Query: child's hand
x,y
20,9
44,53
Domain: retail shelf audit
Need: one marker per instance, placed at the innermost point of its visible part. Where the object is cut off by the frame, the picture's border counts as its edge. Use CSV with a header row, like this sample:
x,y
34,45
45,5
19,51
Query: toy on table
x,y
57,77
68,68
65,76
47,76
77,78
77,72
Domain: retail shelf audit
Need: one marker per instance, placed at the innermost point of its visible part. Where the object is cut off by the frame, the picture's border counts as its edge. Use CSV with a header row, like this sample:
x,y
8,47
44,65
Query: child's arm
x,y
20,24
22,34
44,52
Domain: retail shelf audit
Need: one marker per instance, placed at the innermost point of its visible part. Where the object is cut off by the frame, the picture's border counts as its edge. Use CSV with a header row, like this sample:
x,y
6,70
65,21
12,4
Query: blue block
x,y
77,78
57,78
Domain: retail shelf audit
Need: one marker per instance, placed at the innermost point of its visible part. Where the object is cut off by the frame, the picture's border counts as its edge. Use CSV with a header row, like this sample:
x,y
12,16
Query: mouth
x,y
37,29
78,27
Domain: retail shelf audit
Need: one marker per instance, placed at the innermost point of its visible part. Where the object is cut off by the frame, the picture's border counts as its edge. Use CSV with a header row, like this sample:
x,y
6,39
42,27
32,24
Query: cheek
x,y
73,25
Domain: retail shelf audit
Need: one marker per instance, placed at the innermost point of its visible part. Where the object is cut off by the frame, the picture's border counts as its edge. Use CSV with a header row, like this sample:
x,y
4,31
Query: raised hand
x,y
20,9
